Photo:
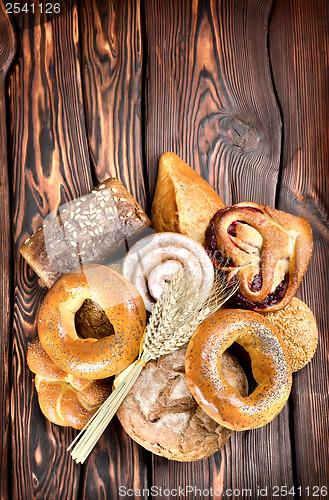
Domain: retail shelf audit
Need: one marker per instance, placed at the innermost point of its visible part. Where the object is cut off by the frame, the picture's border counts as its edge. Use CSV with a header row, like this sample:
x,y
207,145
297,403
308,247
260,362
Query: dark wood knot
x,y
238,133
7,42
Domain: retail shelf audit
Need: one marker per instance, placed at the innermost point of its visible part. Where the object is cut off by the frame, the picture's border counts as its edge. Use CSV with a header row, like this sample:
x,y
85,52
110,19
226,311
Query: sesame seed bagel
x,y
89,357
270,366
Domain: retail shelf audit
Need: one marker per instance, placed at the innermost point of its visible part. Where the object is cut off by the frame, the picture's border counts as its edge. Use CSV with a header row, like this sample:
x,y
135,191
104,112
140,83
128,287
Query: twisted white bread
x,y
155,260
63,398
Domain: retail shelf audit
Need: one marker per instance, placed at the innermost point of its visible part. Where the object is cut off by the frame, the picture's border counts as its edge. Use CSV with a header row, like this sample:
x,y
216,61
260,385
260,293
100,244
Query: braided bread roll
x,y
64,399
153,262
266,250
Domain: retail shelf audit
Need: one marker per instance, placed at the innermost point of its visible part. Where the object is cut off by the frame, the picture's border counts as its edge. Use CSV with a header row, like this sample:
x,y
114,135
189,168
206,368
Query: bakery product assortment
x,y
270,366
90,229
91,322
183,202
161,414
266,251
64,399
154,261
90,357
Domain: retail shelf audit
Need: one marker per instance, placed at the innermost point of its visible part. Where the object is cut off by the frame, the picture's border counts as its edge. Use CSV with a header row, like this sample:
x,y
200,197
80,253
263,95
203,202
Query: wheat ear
x,y
175,317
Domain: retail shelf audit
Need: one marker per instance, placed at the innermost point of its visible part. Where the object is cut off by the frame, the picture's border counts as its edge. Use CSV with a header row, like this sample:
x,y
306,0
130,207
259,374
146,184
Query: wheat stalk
x,y
174,319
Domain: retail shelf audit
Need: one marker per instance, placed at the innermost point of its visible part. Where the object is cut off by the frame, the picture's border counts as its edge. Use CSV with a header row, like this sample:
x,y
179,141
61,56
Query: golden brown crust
x,y
183,201
88,230
64,399
91,358
297,327
279,246
161,414
270,366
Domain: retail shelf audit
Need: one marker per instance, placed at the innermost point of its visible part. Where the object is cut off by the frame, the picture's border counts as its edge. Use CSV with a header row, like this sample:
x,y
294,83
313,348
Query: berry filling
x,y
273,298
225,263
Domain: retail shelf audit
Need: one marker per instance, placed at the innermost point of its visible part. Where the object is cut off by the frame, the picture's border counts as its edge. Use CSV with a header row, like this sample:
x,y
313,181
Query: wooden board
x,y
298,48
239,89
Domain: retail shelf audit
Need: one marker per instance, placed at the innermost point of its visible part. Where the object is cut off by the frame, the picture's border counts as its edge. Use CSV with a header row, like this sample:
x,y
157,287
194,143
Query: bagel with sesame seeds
x,y
92,358
269,361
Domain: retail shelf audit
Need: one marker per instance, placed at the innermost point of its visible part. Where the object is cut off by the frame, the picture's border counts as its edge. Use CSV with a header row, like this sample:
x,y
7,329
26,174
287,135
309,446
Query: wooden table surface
x,y
238,89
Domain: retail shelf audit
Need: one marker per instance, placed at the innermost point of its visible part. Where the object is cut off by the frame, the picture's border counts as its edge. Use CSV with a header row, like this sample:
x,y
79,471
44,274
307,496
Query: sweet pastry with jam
x,y
266,251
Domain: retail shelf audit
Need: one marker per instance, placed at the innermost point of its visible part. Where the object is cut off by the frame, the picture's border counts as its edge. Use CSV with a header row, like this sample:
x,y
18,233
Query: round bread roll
x,y
161,414
297,328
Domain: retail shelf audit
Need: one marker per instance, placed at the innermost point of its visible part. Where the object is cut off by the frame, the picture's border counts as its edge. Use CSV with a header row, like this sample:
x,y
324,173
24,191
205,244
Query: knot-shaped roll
x,y
63,398
267,251
154,261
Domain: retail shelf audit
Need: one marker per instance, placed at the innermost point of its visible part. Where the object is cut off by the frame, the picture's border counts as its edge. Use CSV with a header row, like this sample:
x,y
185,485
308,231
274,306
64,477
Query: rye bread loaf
x,y
87,230
161,414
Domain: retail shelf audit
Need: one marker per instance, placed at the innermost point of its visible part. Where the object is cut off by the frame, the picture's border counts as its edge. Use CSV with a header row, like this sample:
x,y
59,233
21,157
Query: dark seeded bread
x,y
89,229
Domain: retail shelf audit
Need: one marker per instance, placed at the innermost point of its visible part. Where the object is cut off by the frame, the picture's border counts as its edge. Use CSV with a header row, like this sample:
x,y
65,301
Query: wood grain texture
x,y
112,52
8,46
111,41
50,167
299,57
210,99
192,77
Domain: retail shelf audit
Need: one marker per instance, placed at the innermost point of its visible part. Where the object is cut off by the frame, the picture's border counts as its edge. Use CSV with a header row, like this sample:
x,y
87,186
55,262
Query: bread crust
x,y
88,230
297,327
183,201
64,399
90,357
161,414
278,245
270,366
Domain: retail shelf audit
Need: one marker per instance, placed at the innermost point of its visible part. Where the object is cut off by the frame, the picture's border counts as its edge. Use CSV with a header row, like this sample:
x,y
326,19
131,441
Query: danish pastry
x,y
267,251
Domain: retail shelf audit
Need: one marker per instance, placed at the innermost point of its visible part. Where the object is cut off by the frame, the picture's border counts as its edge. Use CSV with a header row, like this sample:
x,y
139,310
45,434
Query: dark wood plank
x,y
8,46
299,51
112,76
50,167
210,99
112,51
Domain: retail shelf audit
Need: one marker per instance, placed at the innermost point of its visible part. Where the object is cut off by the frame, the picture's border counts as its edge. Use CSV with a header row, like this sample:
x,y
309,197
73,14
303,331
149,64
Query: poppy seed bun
x,y
161,414
297,327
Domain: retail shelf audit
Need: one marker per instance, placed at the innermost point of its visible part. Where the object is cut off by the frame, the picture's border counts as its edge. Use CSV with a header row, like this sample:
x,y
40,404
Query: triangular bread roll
x,y
183,201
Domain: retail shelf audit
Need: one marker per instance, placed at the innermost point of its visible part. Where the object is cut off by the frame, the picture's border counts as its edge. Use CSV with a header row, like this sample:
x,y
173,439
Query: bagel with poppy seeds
x,y
270,366
265,251
92,358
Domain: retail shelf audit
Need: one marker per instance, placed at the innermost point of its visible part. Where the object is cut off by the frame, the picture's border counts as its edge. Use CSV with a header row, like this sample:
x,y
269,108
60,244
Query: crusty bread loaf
x,y
64,399
88,230
183,201
161,414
